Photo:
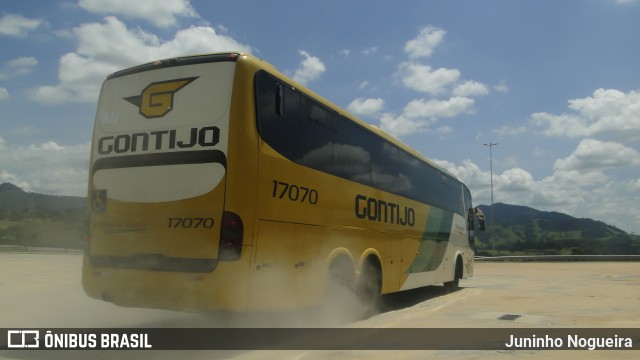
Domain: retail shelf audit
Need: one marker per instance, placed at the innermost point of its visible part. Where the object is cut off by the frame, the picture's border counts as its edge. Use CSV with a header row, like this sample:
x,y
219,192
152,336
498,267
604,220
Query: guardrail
x,y
559,258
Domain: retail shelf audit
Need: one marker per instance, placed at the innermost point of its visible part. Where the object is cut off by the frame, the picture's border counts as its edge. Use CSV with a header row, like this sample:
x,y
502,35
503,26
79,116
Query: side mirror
x,y
480,216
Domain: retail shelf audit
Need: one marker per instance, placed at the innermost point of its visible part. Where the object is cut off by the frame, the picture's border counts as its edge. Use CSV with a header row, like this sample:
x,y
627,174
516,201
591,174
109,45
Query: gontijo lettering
x,y
384,211
158,140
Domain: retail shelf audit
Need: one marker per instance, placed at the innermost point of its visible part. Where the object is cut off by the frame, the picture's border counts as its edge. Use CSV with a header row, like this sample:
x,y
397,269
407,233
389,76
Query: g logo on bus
x,y
156,100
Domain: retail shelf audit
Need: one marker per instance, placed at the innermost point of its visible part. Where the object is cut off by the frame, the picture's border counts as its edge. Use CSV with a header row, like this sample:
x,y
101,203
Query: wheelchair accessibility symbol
x,y
99,200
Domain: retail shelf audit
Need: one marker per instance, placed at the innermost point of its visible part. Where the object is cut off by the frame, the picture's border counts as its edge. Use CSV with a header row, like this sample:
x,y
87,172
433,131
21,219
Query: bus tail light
x,y
231,233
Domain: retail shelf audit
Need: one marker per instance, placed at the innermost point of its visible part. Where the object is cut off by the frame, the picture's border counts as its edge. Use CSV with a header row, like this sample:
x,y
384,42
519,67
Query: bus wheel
x,y
454,285
340,282
370,284
341,304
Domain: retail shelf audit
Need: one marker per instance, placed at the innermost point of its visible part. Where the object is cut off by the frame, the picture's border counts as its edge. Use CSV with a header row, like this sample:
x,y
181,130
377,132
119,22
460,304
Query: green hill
x,y
14,198
37,220
521,230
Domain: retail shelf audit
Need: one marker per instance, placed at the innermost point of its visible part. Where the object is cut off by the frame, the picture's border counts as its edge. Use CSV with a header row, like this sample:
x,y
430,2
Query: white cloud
x,y
4,94
17,25
594,154
425,43
110,46
18,67
419,114
48,167
559,125
471,88
607,112
370,51
23,62
423,78
501,86
421,108
542,152
443,130
516,180
565,191
159,13
510,131
400,125
366,107
310,68
363,85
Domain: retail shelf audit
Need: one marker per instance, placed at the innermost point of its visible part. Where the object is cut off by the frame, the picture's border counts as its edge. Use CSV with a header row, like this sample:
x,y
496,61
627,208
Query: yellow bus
x,y
216,182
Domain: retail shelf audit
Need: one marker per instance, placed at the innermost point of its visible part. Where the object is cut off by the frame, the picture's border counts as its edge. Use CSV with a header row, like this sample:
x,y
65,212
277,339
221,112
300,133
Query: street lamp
x,y
491,145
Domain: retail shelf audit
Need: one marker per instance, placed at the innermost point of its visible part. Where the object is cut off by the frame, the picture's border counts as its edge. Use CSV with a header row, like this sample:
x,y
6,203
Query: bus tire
x,y
454,285
369,284
340,285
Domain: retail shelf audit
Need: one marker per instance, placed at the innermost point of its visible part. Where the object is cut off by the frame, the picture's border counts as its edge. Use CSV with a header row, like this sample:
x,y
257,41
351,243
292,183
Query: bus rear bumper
x,y
169,290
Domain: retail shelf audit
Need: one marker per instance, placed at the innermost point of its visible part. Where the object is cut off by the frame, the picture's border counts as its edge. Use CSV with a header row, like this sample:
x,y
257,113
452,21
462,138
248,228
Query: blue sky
x,y
554,83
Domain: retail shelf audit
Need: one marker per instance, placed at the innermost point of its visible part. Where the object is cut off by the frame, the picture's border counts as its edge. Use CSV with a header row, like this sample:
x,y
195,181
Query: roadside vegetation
x,y
43,228
519,230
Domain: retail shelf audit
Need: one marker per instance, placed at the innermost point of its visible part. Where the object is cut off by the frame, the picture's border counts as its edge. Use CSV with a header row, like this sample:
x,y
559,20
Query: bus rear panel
x,y
157,186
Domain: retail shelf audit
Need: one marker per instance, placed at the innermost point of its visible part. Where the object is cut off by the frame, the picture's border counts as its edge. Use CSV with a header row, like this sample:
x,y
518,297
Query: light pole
x,y
491,145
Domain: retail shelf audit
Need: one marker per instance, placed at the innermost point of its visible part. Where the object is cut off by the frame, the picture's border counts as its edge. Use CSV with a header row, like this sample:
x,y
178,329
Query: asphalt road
x,y
44,291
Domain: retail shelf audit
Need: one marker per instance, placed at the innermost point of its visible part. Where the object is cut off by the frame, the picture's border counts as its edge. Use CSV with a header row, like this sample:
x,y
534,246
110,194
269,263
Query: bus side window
x,y
280,100
316,114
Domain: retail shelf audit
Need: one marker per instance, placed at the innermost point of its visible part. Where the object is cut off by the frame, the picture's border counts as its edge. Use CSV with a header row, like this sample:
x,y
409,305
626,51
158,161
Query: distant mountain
x,y
14,198
524,230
